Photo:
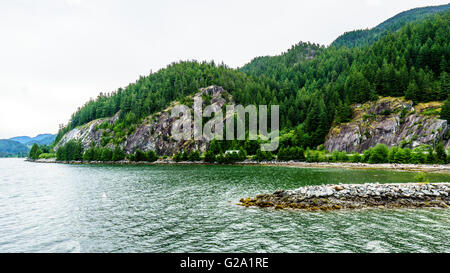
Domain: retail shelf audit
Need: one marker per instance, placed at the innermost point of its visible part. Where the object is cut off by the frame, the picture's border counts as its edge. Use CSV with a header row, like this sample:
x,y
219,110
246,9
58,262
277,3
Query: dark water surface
x,y
89,208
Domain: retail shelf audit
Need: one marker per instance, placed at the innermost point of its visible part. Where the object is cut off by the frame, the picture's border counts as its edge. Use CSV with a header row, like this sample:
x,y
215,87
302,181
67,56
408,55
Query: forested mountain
x,y
154,92
11,148
20,146
42,139
277,66
313,85
368,36
412,62
21,139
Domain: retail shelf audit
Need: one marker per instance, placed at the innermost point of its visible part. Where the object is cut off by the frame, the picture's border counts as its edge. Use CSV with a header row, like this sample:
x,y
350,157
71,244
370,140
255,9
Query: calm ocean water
x,y
101,208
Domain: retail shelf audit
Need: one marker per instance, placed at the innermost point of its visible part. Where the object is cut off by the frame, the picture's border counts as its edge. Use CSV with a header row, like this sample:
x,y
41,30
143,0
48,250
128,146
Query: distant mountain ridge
x,y
302,51
364,37
21,139
41,139
11,148
20,146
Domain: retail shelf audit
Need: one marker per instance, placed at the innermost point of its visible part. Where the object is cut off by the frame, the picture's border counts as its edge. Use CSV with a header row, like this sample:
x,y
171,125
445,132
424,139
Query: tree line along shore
x,y
380,154
315,87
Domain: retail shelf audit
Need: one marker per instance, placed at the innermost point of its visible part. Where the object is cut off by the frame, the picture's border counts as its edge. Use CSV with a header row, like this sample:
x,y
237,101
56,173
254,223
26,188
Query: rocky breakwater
x,y
356,196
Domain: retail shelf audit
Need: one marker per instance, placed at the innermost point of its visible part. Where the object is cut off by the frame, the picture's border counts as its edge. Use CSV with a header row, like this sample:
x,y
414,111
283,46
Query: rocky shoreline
x,y
434,168
355,196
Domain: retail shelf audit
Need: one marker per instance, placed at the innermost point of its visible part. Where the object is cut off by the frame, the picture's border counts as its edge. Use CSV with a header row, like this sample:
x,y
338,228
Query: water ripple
x,y
65,208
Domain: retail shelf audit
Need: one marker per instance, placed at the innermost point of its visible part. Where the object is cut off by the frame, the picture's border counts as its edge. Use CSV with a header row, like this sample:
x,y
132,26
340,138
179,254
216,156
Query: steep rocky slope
x,y
392,121
154,132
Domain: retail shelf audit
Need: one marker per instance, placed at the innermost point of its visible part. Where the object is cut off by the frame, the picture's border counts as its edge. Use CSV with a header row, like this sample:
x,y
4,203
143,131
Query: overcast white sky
x,y
56,54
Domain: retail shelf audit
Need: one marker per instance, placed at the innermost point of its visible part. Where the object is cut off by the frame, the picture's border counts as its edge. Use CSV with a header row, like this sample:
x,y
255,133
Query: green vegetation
x,y
139,156
35,152
292,153
72,150
231,157
424,154
421,177
379,154
411,62
47,156
194,156
11,148
263,156
445,111
153,93
369,36
313,85
41,152
118,154
187,156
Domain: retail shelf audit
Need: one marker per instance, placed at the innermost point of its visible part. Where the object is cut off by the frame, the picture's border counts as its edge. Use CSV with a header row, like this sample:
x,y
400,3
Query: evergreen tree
x,y
445,111
400,156
356,158
412,93
118,154
379,154
344,113
177,157
107,154
444,88
210,157
60,154
194,156
151,156
430,158
441,155
140,156
35,152
89,154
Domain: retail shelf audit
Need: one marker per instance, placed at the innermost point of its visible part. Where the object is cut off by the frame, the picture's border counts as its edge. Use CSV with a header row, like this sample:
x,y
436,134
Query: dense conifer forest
x,y
314,85
368,36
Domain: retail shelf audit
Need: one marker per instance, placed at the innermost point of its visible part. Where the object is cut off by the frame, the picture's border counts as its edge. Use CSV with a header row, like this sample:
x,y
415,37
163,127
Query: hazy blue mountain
x,y
21,139
11,148
42,139
20,146
368,36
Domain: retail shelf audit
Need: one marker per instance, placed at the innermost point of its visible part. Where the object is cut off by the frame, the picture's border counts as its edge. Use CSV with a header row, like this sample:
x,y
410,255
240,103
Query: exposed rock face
x,y
87,133
154,133
391,121
353,196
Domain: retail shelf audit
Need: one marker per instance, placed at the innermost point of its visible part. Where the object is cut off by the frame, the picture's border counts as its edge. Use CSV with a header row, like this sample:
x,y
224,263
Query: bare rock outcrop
x,y
391,121
154,133
89,133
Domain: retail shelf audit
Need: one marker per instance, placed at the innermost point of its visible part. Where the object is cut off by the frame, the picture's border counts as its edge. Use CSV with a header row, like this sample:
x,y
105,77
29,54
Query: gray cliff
x,y
154,133
391,121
